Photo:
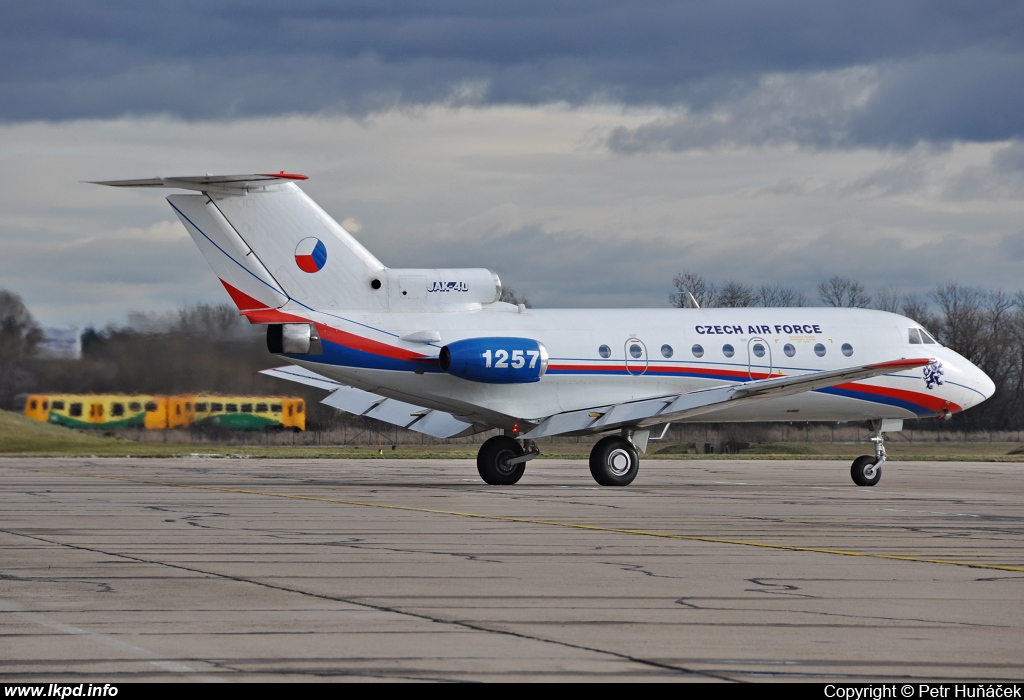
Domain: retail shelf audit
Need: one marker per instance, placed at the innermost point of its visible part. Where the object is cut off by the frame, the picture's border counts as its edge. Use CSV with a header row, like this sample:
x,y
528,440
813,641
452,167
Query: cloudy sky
x,y
587,151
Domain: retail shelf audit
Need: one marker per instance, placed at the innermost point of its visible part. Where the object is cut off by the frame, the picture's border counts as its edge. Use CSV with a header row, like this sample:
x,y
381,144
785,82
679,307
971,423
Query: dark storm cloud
x,y
952,70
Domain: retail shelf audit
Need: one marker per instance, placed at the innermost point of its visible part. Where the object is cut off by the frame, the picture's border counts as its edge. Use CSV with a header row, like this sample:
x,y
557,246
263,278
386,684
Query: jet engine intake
x,y
495,360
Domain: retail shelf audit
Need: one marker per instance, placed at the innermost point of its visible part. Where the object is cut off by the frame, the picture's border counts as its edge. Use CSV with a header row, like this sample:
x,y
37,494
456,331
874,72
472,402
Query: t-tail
x,y
274,248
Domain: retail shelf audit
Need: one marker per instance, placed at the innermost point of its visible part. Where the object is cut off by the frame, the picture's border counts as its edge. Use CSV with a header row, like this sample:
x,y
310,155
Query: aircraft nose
x,y
981,383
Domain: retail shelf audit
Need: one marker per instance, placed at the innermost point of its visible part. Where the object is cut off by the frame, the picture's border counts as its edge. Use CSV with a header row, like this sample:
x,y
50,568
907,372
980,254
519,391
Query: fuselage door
x,y
636,357
759,358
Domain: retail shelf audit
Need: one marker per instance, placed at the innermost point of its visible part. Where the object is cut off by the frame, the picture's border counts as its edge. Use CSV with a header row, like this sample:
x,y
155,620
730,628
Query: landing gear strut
x,y
502,459
867,470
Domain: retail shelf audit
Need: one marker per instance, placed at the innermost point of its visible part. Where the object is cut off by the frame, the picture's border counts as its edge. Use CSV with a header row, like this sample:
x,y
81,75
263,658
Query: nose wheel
x,y
867,470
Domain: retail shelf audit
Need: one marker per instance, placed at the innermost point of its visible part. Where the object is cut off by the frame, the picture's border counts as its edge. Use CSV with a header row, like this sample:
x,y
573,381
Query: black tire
x,y
492,461
614,461
857,471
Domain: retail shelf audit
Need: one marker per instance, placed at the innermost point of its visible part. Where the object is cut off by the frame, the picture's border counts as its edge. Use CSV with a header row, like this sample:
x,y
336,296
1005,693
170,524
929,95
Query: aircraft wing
x,y
364,403
673,407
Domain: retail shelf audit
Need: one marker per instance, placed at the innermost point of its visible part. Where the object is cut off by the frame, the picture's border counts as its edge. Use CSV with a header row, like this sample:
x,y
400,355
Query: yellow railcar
x,y
155,412
250,412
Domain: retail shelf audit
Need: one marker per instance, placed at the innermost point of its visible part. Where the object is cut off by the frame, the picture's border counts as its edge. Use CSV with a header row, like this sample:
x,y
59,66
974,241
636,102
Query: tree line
x,y
200,348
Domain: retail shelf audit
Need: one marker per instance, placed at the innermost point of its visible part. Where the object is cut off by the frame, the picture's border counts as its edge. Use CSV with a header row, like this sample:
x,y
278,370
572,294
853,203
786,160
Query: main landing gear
x,y
614,461
502,459
867,470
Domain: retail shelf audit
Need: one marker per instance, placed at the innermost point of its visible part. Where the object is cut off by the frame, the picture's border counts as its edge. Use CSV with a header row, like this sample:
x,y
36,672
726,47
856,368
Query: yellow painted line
x,y
555,523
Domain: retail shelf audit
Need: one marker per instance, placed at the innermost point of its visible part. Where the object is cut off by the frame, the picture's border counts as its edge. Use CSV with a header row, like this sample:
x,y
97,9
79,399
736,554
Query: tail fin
x,y
269,242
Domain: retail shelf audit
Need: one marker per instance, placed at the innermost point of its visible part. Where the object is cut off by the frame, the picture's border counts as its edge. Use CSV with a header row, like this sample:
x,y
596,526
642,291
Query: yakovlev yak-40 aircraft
x,y
435,351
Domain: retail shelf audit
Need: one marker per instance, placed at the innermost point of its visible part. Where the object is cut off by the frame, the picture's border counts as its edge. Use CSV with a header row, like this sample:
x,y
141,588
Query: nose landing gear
x,y
867,470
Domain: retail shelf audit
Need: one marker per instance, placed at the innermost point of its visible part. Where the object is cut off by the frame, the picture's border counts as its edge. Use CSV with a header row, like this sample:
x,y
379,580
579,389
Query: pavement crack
x,y
476,627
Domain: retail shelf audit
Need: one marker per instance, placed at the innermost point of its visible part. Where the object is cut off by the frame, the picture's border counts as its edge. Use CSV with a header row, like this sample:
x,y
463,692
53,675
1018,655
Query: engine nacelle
x,y
495,360
293,339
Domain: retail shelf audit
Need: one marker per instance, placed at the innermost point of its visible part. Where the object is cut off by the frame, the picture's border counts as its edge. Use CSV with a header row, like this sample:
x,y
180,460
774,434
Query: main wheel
x,y
614,461
493,461
864,471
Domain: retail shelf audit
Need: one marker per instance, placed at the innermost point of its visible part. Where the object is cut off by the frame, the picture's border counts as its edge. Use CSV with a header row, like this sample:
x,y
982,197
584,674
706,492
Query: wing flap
x,y
442,425
345,398
625,413
570,422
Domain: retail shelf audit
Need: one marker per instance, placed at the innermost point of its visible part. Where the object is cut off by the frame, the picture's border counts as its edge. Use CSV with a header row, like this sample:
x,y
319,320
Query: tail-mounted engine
x,y
495,360
293,339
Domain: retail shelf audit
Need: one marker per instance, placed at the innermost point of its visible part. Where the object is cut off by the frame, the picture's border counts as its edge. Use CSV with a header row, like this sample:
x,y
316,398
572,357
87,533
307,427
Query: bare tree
x,y
889,299
842,291
509,295
961,322
19,335
775,295
736,294
687,283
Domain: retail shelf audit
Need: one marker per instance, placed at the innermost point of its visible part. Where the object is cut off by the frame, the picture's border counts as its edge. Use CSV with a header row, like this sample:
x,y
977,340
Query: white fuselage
x,y
657,352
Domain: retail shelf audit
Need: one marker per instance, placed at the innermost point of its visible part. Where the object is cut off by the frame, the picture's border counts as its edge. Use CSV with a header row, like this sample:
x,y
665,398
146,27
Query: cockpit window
x,y
920,336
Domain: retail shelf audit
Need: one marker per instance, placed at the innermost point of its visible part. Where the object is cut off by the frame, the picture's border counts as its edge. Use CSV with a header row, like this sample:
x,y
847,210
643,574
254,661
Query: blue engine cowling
x,y
495,360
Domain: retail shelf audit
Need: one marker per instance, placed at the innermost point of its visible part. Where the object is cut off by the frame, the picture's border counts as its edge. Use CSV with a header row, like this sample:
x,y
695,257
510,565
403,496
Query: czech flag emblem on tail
x,y
311,254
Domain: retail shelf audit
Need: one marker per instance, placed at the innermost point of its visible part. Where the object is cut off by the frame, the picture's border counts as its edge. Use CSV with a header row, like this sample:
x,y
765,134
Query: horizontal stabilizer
x,y
364,403
220,184
678,407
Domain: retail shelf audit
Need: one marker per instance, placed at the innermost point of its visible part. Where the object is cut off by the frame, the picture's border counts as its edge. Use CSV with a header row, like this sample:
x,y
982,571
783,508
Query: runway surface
x,y
199,569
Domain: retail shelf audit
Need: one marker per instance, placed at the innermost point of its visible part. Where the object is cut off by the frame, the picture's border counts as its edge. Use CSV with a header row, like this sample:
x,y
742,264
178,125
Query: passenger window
x,y
231,408
759,349
275,407
605,351
298,409
151,406
216,406
246,408
915,337
847,349
789,350
45,405
261,408
117,409
58,405
697,350
32,405
819,350
636,351
188,405
666,351
76,410
201,407
135,406
728,350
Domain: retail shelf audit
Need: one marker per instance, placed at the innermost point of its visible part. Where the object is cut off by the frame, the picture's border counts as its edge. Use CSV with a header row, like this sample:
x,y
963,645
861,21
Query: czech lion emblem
x,y
933,375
